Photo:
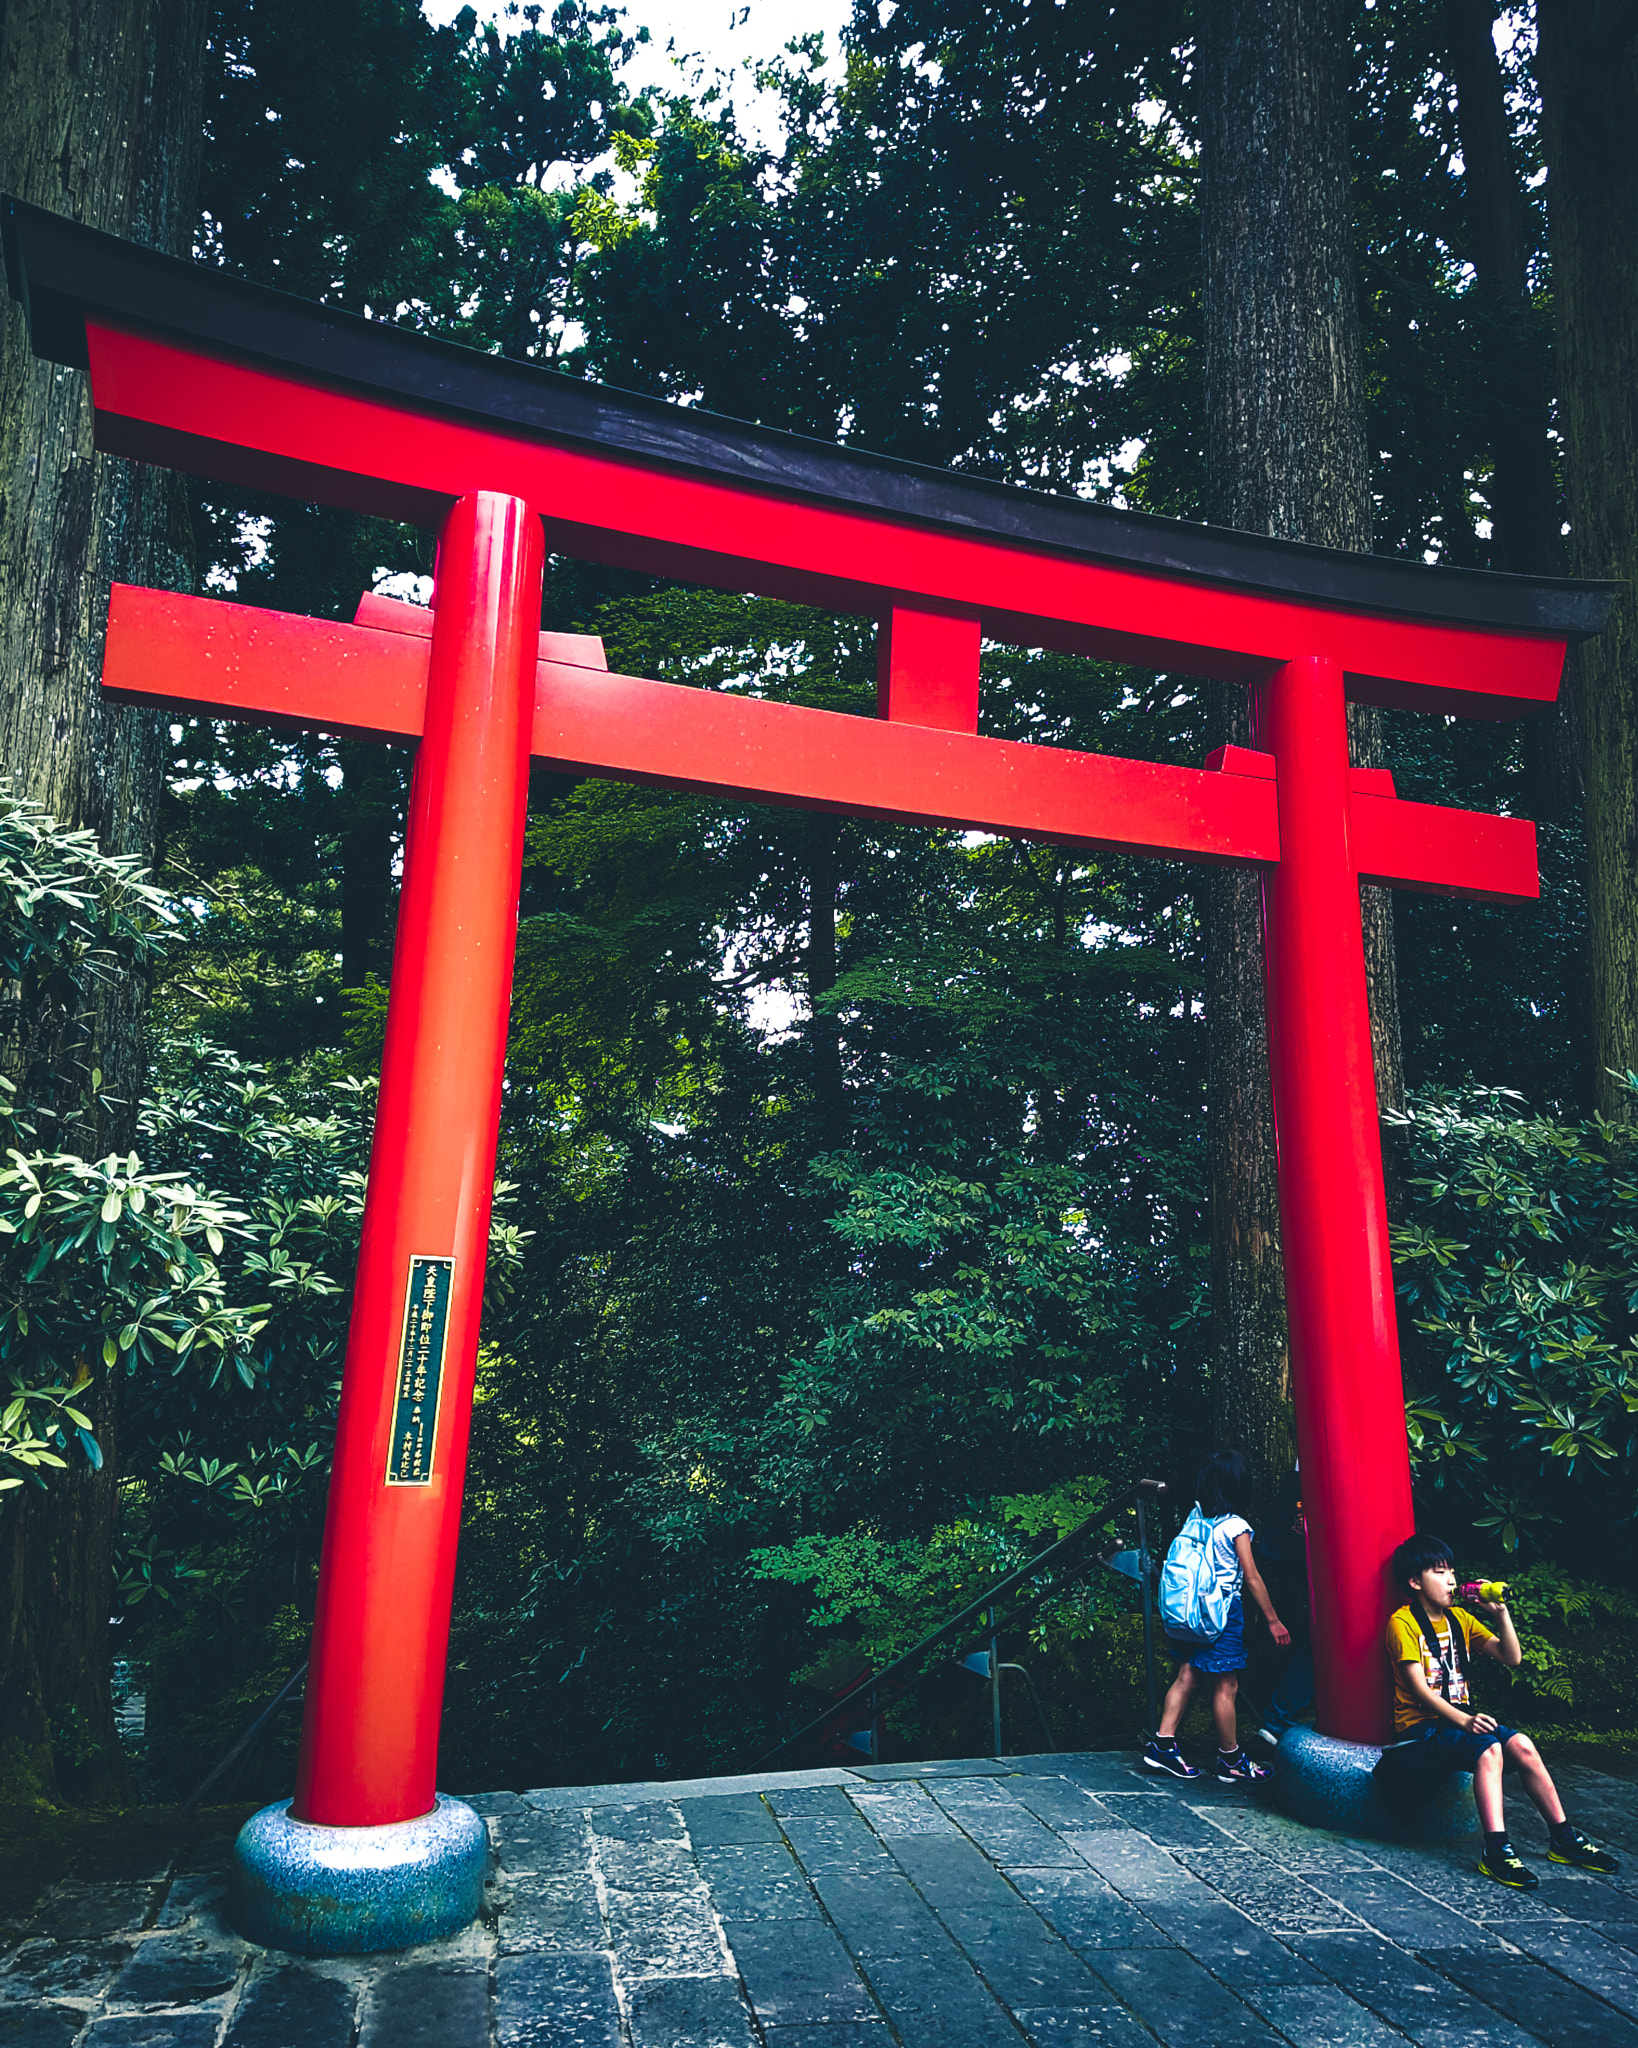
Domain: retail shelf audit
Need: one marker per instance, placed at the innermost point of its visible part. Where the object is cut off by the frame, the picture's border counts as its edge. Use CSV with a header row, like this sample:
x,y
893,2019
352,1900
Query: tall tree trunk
x,y
1587,55
825,1037
1285,455
369,802
100,119
1524,512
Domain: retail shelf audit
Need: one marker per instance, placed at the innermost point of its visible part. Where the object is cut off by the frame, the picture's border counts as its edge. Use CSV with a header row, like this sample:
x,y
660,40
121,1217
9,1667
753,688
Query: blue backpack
x,y
1194,1597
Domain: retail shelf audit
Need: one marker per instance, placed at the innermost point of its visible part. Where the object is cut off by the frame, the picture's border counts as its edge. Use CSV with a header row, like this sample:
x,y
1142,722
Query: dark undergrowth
x,y
41,1844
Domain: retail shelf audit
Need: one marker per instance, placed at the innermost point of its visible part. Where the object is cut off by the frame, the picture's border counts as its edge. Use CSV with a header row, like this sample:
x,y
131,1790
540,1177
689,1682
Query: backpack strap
x,y
1458,1644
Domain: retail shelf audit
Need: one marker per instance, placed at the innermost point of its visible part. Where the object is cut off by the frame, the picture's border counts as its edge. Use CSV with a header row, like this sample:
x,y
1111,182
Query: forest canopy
x,y
856,1223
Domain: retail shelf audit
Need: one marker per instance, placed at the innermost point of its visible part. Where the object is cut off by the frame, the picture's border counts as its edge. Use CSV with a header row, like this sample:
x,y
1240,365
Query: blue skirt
x,y
1226,1653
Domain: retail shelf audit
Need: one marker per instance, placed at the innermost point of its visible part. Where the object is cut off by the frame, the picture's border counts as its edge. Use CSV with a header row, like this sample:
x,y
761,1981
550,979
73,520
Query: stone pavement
x,y
1050,1899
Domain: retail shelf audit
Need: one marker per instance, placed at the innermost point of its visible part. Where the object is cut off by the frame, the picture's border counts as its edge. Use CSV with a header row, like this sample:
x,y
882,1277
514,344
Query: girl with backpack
x,y
1200,1606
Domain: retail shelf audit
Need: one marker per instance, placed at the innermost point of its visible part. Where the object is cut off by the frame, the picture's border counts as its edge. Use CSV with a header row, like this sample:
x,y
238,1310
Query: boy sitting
x,y
1430,1643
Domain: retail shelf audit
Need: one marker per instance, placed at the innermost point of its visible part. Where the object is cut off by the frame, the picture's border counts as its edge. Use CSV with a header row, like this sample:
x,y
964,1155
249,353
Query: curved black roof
x,y
63,273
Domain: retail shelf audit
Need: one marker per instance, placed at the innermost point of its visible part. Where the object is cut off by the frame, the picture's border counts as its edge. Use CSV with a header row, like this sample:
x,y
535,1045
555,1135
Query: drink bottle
x,y
1485,1589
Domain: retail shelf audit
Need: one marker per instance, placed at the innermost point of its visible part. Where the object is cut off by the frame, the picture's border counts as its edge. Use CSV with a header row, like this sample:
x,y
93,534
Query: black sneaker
x,y
1167,1757
1239,1770
1580,1854
1504,1866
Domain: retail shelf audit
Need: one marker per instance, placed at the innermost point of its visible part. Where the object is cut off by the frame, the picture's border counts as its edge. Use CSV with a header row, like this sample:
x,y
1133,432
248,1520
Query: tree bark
x,y
100,119
1587,55
1286,455
1516,409
825,1036
369,801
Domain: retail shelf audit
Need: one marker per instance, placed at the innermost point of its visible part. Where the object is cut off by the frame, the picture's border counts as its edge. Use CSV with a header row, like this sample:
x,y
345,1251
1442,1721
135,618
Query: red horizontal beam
x,y
1441,852
369,681
676,738
268,668
223,417
1426,847
393,615
237,662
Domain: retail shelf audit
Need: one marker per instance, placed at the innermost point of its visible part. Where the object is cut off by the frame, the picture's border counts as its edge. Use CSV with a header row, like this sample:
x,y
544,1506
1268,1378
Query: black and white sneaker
x,y
1167,1757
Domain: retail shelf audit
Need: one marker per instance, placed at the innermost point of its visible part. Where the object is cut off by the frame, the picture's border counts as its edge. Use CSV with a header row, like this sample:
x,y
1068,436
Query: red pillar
x,y
380,1637
1333,1217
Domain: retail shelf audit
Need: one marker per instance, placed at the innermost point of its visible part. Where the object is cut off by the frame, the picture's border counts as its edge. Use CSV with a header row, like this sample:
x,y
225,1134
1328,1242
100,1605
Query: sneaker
x,y
1267,1735
1505,1867
1239,1770
1167,1757
1581,1854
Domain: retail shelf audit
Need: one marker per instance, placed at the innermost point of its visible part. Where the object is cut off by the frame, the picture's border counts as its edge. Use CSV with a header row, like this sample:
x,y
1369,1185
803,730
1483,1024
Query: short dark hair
x,y
1419,1554
1224,1486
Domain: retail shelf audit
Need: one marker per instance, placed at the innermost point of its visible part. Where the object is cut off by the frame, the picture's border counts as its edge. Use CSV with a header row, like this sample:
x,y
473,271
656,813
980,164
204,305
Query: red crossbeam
x,y
369,680
222,417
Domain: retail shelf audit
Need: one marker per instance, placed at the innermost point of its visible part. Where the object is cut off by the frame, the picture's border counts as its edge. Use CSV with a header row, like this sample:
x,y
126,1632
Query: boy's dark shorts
x,y
1459,1749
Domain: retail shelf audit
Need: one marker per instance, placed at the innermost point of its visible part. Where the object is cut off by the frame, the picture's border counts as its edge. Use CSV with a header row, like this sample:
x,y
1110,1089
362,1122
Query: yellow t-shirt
x,y
1406,1643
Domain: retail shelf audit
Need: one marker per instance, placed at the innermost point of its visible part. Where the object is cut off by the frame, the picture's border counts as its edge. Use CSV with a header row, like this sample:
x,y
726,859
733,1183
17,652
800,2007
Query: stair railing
x,y
902,1674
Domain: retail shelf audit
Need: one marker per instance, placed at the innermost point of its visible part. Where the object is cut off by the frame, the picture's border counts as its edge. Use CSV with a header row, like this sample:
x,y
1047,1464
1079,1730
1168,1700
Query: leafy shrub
x,y
71,918
884,1597
873,1600
1580,1654
1519,1269
105,1265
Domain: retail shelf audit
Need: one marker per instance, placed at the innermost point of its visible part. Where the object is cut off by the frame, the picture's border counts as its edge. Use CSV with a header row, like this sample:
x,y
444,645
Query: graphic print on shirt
x,y
1444,1666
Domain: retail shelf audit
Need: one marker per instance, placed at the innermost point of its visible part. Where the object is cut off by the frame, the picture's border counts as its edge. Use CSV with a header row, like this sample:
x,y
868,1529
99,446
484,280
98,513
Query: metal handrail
x,y
872,1682
246,1741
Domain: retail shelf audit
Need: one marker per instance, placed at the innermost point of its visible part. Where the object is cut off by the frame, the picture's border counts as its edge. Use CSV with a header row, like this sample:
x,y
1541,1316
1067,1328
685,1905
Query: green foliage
x,y
961,235
104,1264
533,105
203,1455
107,1262
67,909
1576,1680
1577,1636
1010,1279
202,1283
887,1596
1519,1267
861,1166
323,126
873,1600
70,915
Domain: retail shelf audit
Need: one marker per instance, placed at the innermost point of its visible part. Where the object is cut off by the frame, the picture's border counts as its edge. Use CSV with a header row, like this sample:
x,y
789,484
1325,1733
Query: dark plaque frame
x,y
420,1371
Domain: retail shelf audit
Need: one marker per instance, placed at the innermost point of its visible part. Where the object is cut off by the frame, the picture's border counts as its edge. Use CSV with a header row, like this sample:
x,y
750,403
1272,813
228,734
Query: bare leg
x,y
1537,1781
1177,1698
1222,1710
1487,1790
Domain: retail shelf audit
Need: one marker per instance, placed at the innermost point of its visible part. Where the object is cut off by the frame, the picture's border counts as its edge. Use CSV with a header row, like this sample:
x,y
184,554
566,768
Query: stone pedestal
x,y
349,1891
1329,1784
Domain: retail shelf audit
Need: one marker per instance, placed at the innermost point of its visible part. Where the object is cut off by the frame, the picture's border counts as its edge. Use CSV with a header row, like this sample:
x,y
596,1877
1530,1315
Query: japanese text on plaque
x,y
420,1372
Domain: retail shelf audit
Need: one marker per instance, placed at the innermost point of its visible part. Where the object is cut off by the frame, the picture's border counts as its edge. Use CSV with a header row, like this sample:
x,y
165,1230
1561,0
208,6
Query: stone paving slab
x,y
1031,1901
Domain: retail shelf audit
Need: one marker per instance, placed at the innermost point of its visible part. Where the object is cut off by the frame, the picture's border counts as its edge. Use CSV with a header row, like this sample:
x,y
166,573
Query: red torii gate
x,y
200,371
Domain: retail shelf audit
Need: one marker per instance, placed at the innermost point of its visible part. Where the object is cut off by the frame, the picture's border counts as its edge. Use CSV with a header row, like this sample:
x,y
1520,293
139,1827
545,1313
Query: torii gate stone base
x,y
195,369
